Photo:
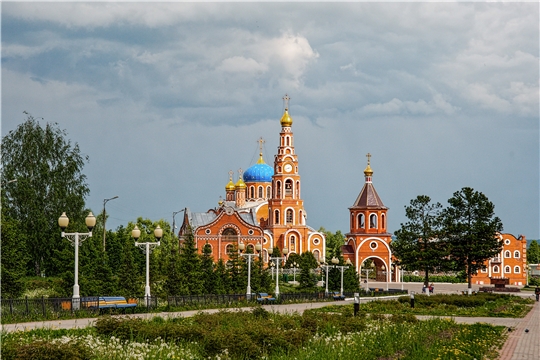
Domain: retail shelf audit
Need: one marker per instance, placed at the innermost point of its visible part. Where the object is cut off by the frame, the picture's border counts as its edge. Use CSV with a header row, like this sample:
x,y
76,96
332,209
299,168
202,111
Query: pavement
x,y
523,341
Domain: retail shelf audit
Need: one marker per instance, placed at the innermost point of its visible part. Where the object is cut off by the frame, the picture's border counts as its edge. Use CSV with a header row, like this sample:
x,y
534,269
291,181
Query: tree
x,y
418,245
307,263
190,265
48,170
207,267
334,242
14,258
470,230
533,253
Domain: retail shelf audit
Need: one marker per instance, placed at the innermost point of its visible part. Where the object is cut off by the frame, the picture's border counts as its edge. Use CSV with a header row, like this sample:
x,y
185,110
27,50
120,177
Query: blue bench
x,y
338,296
109,302
264,297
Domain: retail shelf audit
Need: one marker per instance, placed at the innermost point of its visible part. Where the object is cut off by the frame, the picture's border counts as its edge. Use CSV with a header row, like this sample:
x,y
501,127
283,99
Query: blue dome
x,y
260,172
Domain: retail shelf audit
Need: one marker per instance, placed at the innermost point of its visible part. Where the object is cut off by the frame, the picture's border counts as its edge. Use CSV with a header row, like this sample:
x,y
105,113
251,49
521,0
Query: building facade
x,y
263,207
511,263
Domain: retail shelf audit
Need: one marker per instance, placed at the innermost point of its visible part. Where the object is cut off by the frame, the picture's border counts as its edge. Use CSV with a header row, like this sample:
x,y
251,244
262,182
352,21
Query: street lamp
x,y
277,260
326,267
241,247
367,278
527,271
335,261
295,265
385,273
76,238
105,201
147,248
173,222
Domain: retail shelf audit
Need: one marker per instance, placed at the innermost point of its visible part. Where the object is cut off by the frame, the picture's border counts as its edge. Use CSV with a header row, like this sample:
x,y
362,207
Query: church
x,y
263,209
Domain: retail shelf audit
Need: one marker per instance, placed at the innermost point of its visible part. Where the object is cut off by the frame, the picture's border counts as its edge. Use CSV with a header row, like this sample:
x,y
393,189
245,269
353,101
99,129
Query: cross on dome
x,y
286,99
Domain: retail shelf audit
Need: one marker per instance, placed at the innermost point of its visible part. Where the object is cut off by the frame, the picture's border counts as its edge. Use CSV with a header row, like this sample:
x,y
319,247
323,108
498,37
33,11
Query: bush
x,y
45,350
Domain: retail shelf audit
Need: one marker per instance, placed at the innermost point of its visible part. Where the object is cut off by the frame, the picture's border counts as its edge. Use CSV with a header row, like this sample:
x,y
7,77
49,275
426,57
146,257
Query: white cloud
x,y
242,65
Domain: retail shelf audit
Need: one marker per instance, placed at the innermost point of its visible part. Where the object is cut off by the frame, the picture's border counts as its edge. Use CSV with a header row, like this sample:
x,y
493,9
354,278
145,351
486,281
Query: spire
x,y
286,120
261,142
367,171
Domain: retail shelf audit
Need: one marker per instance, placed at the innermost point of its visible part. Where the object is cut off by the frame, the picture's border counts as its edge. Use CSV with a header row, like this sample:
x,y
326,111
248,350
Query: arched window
x,y
496,269
301,217
288,141
229,234
383,221
516,254
517,269
276,217
289,216
260,192
361,221
251,192
268,192
229,249
507,254
507,269
317,255
293,243
250,249
297,192
288,187
278,189
373,221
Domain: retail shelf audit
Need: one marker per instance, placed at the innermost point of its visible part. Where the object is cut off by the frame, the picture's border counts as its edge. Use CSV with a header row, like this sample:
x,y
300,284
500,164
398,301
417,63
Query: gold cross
x,y
231,174
368,158
261,142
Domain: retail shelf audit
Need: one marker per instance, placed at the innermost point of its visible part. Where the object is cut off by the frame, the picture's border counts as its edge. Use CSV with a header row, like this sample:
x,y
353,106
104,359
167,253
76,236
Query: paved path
x,y
521,344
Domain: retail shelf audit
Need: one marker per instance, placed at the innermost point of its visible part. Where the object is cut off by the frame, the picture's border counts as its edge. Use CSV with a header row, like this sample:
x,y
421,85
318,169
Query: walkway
x,y
523,341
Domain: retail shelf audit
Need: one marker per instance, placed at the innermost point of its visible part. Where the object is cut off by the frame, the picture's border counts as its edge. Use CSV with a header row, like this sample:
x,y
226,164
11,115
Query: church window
x,y
507,269
278,189
289,216
484,270
496,269
516,254
316,241
517,269
260,192
297,193
268,192
373,245
288,141
276,217
361,223
507,254
316,254
293,243
288,187
383,221
251,192
301,217
229,249
373,221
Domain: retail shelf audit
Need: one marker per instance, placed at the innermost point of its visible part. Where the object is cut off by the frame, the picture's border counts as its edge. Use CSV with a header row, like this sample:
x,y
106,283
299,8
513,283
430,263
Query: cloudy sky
x,y
166,98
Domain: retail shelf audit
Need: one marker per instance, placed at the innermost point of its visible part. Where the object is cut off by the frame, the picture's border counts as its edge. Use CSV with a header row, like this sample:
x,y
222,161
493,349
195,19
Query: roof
x,y
368,198
197,219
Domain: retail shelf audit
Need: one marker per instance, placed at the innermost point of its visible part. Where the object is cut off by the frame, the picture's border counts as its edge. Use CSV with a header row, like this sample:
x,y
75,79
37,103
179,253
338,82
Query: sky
x,y
166,98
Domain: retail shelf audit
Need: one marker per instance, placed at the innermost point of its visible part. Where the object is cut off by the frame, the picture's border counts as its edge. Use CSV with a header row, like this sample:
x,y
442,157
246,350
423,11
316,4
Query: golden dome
x,y
286,120
240,184
230,185
368,171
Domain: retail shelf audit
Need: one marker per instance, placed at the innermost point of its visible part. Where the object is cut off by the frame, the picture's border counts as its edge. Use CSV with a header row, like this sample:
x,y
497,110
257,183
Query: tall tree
x,y
334,242
308,262
533,253
471,229
48,170
190,265
418,245
14,258
207,268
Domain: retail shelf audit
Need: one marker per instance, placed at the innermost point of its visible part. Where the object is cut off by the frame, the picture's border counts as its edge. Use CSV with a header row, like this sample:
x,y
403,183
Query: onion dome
x,y
286,120
260,172
230,185
367,170
240,184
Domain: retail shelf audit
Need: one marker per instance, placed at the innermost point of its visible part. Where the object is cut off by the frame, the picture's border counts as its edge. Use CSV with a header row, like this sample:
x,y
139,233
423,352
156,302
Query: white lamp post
x,y
105,201
295,265
367,278
277,260
147,248
241,247
326,267
76,238
335,261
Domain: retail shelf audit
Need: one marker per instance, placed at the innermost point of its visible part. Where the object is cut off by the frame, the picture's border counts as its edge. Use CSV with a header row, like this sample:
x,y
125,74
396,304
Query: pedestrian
x,y
431,288
537,292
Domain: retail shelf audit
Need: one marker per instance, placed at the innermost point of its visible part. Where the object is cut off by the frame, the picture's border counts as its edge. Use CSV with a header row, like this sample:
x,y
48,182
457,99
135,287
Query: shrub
x,y
45,350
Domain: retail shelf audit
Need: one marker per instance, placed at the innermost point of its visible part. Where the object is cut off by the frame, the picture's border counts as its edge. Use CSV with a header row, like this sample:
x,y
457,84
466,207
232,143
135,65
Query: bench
x,y
110,302
264,298
338,296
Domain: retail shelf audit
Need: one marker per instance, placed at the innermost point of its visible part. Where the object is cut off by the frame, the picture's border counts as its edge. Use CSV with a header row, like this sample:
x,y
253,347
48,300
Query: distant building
x,y
509,264
264,206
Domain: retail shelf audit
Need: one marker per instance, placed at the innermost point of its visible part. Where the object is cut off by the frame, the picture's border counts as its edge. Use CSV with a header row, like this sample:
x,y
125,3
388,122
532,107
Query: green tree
x,y
222,279
14,258
471,228
307,263
417,245
48,170
334,242
207,268
533,253
129,277
190,265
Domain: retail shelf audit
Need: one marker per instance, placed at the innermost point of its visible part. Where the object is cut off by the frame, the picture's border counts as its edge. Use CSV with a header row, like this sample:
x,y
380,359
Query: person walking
x,y
537,293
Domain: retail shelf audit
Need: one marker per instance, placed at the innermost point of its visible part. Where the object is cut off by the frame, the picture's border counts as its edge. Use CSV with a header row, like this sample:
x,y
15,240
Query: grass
x,y
258,334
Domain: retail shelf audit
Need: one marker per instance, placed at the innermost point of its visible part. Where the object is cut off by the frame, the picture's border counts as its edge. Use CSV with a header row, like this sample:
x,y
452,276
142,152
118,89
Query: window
x,y
260,192
289,216
317,254
507,254
229,249
516,254
268,192
301,217
293,243
496,269
484,270
507,242
361,223
297,192
207,231
507,269
373,221
382,219
288,187
373,245
229,234
251,192
517,269
276,217
316,241
250,249
278,189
